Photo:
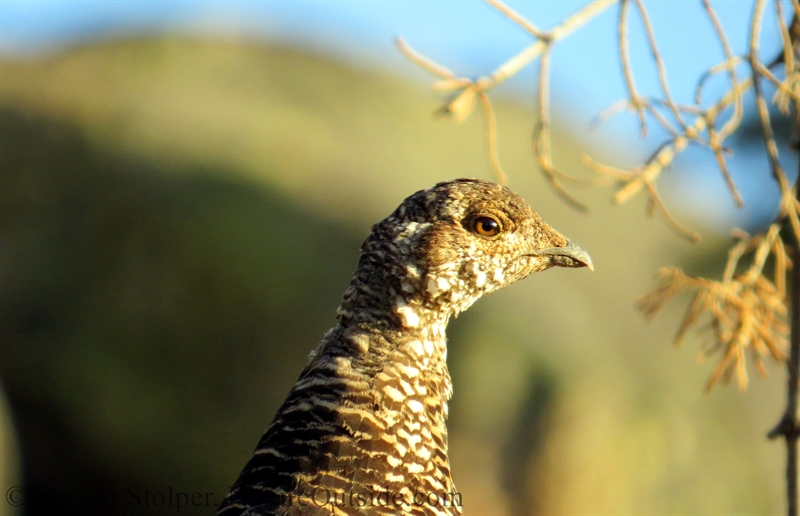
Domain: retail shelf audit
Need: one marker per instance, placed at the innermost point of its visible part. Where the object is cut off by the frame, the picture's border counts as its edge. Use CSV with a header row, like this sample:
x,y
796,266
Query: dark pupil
x,y
488,225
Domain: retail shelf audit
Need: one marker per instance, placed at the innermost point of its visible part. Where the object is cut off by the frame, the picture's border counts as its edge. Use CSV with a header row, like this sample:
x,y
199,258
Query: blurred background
x,y
184,187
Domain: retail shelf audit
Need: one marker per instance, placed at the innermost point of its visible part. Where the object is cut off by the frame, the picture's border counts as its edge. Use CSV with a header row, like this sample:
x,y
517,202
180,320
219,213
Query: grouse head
x,y
446,246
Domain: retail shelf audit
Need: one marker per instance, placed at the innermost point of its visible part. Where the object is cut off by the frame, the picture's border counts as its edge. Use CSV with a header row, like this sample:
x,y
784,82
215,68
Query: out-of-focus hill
x,y
178,218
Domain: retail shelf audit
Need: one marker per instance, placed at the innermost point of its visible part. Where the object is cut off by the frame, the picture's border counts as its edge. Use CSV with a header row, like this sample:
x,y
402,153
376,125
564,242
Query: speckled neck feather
x,y
363,429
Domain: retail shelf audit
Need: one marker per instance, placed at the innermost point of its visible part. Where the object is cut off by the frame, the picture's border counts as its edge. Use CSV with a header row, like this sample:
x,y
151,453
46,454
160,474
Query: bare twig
x,y
761,103
424,62
782,87
491,128
541,136
732,123
466,91
714,70
788,46
636,102
518,19
655,198
567,27
662,72
716,146
788,427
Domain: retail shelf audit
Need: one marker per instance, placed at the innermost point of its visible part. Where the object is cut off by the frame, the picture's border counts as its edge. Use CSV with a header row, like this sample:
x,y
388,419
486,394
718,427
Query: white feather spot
x,y
406,387
499,277
480,279
408,371
415,468
424,453
415,406
393,393
416,346
391,477
408,317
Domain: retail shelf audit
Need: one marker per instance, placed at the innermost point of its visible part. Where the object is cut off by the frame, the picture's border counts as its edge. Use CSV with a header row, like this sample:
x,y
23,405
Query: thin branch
x,y
567,27
686,108
611,172
662,71
672,221
541,136
763,70
462,102
491,129
517,18
426,63
732,123
788,51
716,147
636,102
763,111
609,112
661,120
787,427
652,169
714,70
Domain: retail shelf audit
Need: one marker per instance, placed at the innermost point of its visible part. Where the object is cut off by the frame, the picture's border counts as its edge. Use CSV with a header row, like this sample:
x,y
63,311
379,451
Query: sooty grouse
x,y
363,429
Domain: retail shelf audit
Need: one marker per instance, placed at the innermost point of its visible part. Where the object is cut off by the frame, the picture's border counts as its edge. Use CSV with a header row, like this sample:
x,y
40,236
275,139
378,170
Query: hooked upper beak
x,y
576,256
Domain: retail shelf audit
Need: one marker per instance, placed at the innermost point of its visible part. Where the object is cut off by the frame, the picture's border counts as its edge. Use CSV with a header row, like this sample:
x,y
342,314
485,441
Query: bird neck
x,y
395,388
383,300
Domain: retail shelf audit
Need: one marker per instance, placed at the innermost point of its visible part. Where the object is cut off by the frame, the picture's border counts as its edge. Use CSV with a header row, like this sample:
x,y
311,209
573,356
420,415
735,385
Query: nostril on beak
x,y
577,254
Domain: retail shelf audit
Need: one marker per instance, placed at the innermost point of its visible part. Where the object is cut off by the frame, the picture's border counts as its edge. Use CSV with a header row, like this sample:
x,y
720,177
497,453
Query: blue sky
x,y
470,37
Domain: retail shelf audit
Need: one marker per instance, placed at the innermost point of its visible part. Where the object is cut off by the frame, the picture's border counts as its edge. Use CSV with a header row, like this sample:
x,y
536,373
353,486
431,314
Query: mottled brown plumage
x,y
363,429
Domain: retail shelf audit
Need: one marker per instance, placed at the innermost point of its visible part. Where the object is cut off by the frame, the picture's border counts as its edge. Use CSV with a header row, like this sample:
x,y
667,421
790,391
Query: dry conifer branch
x,y
788,427
635,102
782,87
730,64
462,102
649,106
788,54
747,307
716,147
761,103
424,62
514,16
662,72
747,311
491,124
541,136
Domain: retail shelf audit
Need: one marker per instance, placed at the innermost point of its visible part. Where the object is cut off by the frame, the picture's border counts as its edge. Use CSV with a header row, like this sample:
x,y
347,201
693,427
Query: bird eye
x,y
486,226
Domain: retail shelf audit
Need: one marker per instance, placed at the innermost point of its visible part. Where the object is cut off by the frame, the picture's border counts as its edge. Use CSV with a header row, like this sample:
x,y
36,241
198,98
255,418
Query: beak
x,y
571,255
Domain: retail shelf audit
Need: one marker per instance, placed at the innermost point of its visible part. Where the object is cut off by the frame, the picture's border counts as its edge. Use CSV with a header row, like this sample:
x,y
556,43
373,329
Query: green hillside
x,y
178,219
